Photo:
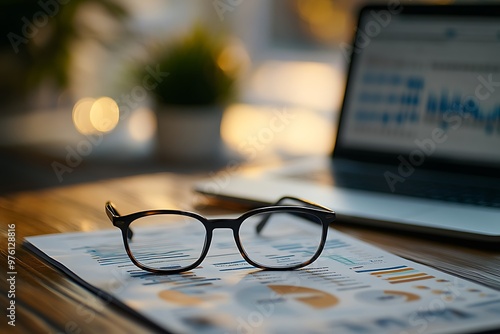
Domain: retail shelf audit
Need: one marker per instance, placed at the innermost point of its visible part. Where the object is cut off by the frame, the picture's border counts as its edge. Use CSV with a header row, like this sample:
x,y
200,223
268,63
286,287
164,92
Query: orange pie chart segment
x,y
182,299
311,297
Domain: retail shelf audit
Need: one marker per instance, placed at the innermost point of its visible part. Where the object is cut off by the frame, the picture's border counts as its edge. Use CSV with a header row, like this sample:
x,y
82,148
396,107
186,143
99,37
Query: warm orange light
x,y
307,84
242,121
326,21
316,11
93,116
142,124
233,58
104,114
81,116
257,132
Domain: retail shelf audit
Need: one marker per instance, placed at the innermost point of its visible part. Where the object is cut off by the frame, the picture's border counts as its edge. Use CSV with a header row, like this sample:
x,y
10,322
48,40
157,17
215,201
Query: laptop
x,y
418,141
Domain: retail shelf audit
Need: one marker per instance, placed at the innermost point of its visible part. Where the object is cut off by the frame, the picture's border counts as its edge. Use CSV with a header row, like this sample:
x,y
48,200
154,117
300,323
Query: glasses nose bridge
x,y
222,223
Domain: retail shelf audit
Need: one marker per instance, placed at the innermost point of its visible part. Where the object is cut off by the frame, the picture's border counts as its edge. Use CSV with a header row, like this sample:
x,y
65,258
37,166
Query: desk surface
x,y
47,301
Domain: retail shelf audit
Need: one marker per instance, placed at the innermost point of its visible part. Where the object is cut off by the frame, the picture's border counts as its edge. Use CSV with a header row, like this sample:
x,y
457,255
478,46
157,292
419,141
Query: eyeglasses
x,y
277,237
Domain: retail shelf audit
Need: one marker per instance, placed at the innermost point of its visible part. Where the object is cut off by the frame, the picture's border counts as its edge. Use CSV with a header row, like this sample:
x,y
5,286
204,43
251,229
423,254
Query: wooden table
x,y
47,301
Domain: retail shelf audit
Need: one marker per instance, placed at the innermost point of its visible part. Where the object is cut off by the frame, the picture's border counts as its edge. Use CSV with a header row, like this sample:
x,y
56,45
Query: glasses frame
x,y
325,215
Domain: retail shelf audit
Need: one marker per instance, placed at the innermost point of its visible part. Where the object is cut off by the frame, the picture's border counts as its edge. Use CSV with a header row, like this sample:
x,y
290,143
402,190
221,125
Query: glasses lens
x,y
167,242
281,239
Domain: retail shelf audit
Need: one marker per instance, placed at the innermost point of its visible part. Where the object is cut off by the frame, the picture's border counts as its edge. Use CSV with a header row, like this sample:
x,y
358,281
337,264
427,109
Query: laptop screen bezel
x,y
341,150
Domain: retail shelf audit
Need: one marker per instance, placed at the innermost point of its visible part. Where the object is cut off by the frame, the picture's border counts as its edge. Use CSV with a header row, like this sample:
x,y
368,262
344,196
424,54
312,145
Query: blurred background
x,y
88,86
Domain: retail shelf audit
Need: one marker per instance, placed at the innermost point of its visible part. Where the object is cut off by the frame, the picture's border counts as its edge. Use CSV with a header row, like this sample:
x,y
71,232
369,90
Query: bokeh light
x,y
104,114
307,84
233,58
259,131
93,116
81,116
142,124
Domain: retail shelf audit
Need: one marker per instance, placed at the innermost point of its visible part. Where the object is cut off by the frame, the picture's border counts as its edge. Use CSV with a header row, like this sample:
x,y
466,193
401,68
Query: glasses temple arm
x,y
264,220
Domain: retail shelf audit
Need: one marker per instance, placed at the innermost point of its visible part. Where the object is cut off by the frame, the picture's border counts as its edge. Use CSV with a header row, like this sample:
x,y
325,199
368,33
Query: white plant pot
x,y
189,133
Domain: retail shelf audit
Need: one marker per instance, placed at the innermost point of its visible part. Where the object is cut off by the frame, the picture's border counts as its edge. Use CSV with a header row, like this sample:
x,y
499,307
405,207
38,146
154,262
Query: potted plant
x,y
190,100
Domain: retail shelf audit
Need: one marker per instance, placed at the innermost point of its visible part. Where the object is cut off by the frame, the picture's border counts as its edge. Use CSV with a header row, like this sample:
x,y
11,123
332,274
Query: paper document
x,y
352,288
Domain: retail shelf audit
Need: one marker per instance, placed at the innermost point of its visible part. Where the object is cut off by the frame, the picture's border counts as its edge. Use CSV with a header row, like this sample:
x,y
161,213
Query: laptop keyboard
x,y
488,197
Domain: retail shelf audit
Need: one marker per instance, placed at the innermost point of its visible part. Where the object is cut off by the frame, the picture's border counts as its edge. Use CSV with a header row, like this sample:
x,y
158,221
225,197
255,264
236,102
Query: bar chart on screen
x,y
453,108
389,102
397,103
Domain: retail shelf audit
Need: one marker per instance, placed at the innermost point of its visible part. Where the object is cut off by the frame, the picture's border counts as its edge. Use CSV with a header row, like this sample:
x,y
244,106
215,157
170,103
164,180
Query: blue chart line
x,y
379,269
296,248
335,243
386,118
233,265
145,253
473,115
289,253
109,255
180,281
347,260
325,275
397,275
352,256
148,248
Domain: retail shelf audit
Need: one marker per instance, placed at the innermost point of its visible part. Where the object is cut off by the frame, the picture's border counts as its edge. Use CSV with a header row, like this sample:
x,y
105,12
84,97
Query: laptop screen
x,y
424,82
